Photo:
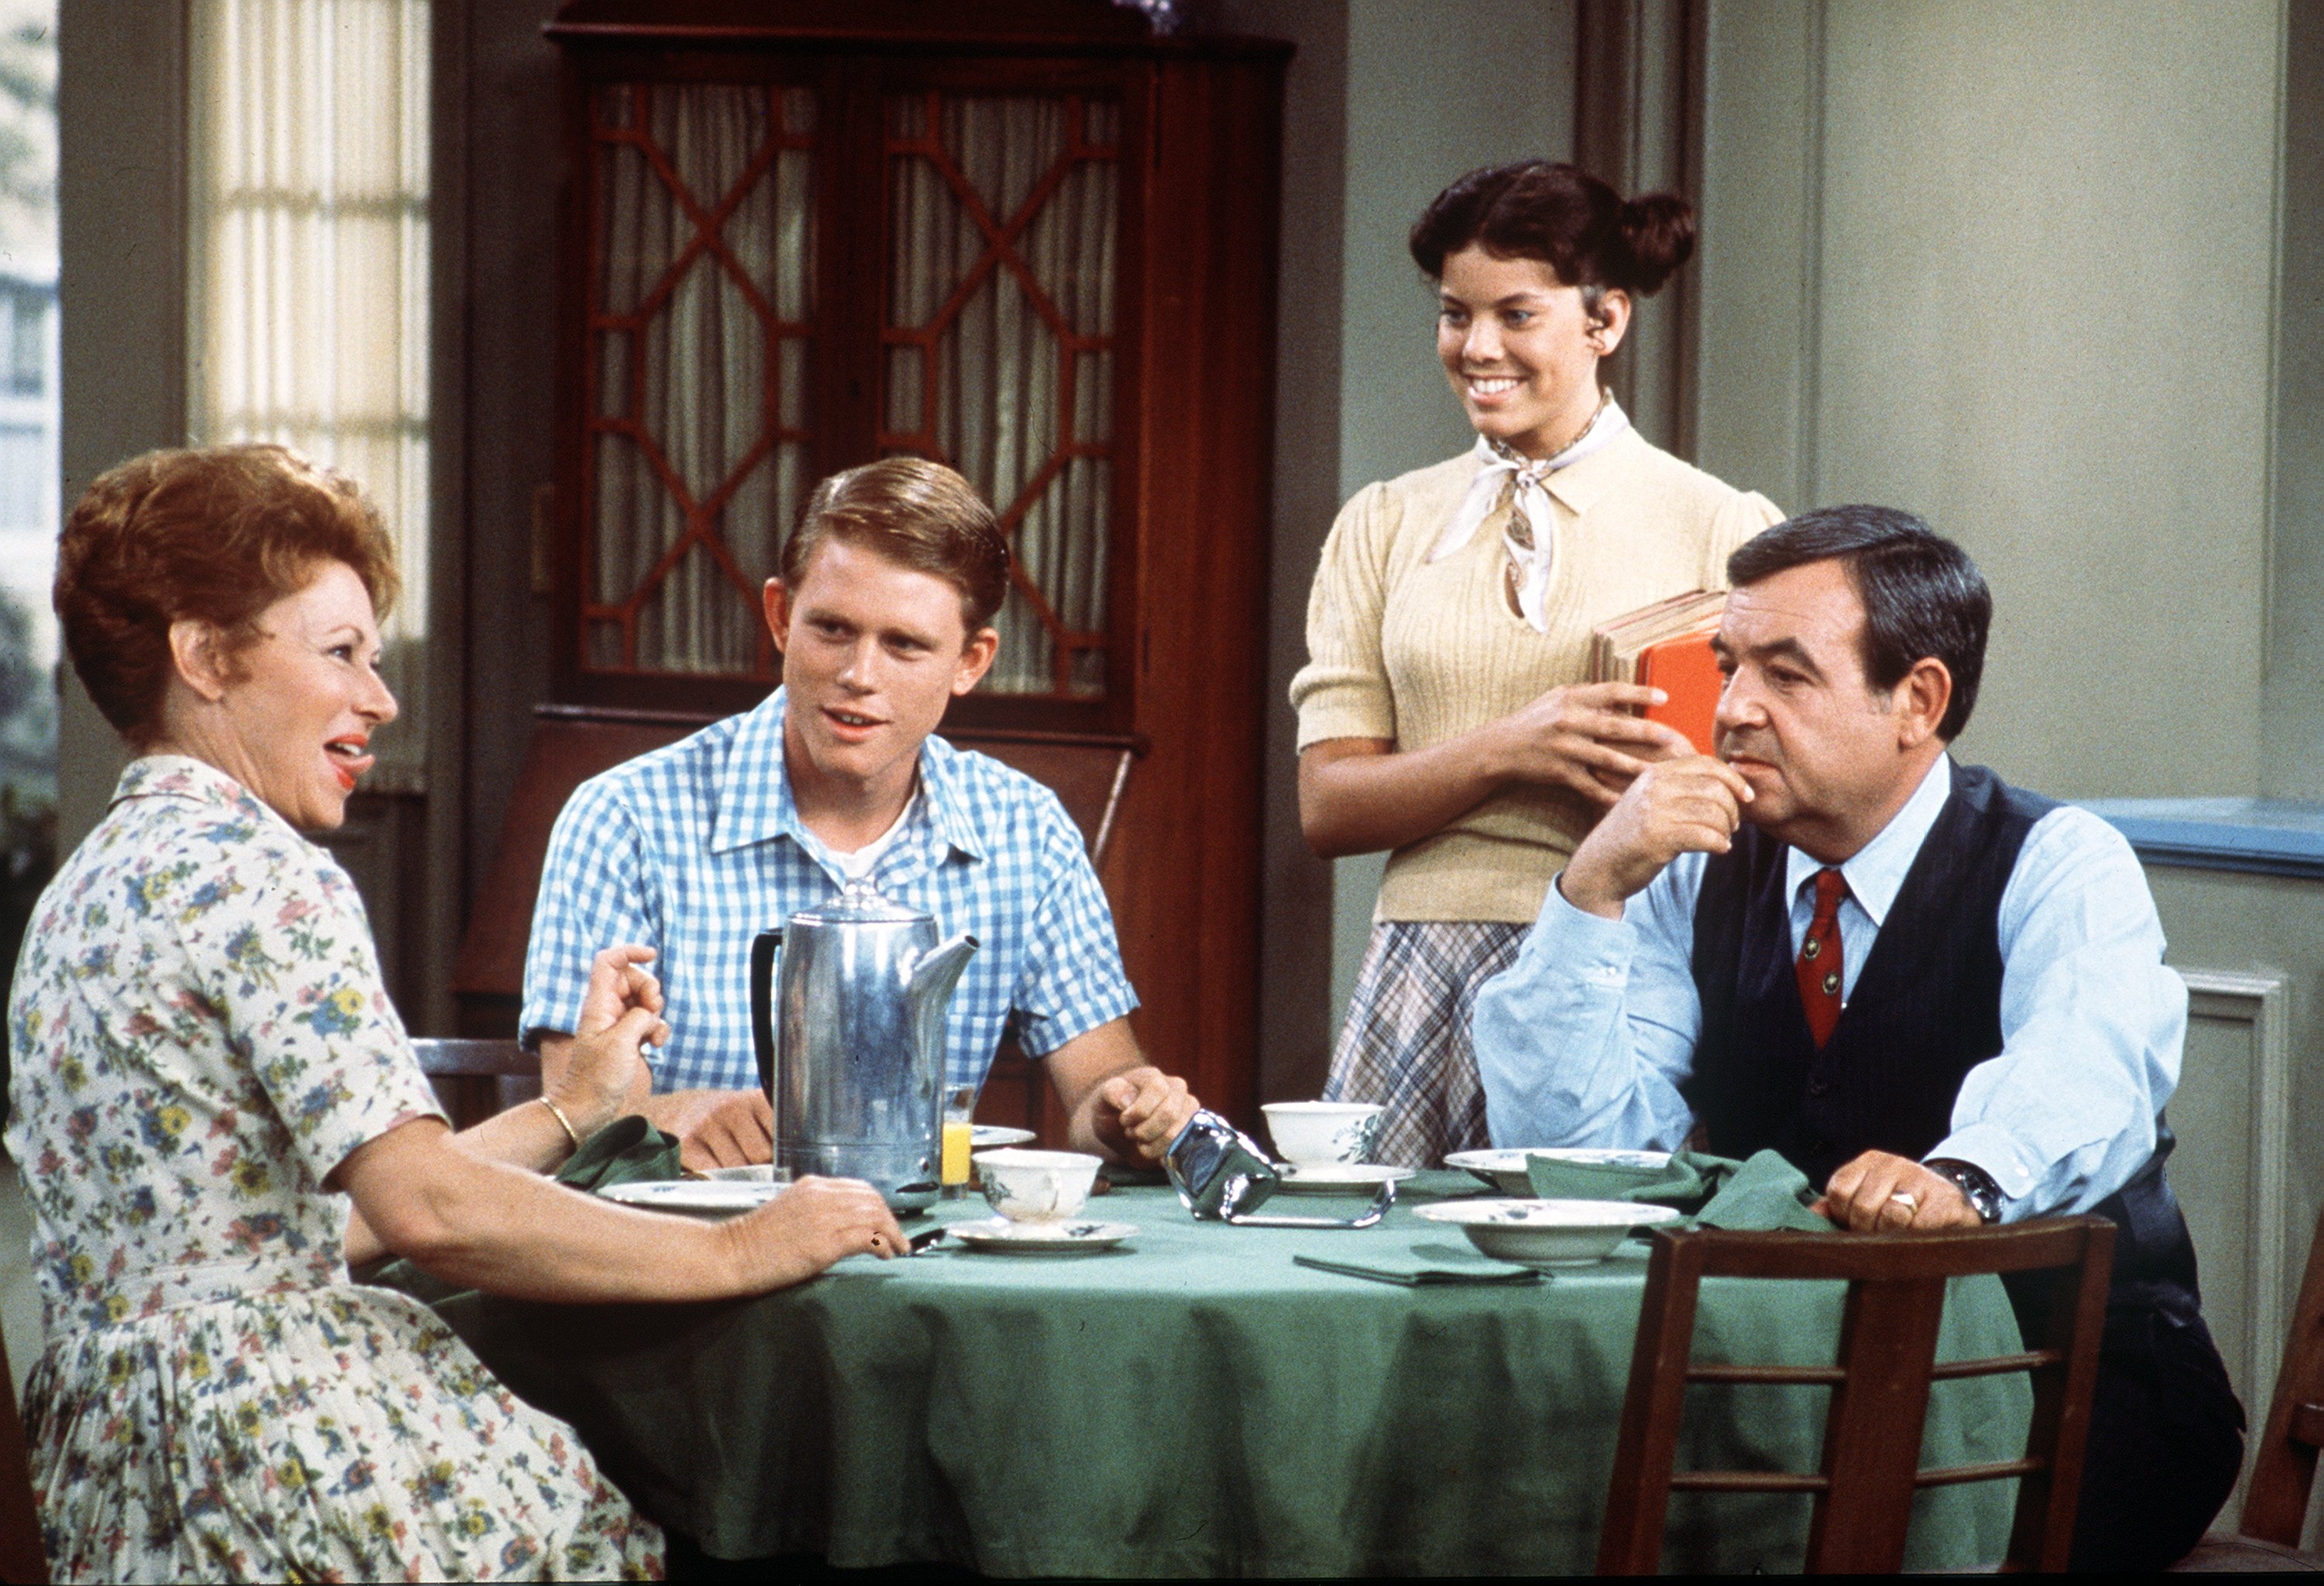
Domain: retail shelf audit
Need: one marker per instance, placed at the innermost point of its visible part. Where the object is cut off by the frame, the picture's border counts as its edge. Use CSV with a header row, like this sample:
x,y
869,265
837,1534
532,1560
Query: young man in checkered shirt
x,y
883,613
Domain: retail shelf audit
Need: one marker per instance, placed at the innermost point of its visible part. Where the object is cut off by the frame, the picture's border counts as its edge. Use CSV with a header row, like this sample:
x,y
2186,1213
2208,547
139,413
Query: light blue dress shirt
x,y
1586,1039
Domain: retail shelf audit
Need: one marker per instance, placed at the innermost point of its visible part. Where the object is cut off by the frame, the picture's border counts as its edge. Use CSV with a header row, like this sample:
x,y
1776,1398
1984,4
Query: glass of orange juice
x,y
960,1106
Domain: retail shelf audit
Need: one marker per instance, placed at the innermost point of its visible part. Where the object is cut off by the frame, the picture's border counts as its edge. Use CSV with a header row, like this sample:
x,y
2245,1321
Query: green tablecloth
x,y
1197,1403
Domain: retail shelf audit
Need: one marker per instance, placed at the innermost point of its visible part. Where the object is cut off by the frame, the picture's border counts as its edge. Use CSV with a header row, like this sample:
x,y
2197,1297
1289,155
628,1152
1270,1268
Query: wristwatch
x,y
1975,1182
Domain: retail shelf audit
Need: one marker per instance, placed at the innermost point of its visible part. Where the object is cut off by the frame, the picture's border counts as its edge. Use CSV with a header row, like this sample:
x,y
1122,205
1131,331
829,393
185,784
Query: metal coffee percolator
x,y
855,1067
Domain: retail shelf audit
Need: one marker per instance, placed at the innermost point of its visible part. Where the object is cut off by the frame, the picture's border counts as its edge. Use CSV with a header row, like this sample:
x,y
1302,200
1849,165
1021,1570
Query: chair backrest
x,y
22,1557
477,1078
2283,1470
571,743
1879,1385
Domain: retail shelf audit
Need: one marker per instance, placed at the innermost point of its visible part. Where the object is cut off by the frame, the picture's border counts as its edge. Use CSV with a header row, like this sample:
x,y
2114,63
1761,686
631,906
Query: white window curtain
x,y
1001,355
307,312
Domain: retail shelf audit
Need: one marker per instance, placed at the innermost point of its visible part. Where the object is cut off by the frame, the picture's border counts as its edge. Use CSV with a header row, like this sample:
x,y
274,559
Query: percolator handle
x,y
762,999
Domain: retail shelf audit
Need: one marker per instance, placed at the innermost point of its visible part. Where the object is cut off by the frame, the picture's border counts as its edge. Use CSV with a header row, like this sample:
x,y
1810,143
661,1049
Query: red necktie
x,y
1820,965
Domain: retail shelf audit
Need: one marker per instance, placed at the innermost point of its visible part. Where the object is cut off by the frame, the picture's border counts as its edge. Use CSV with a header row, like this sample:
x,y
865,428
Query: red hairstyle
x,y
213,535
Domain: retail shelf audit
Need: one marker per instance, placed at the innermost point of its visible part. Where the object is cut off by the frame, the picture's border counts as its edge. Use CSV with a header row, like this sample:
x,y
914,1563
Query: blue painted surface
x,y
2267,836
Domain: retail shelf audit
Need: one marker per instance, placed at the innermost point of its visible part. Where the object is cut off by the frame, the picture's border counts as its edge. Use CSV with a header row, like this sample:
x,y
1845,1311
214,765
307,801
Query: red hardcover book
x,y
1685,669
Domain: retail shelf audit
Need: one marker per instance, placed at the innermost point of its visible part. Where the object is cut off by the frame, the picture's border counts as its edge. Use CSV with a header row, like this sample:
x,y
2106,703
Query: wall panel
x,y
2025,293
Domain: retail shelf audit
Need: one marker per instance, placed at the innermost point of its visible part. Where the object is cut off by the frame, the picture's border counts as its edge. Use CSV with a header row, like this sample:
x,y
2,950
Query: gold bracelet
x,y
557,1112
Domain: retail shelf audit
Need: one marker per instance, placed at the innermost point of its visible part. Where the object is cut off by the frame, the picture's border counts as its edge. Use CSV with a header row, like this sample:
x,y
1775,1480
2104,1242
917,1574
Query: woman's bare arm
x,y
1360,796
496,1227
604,1078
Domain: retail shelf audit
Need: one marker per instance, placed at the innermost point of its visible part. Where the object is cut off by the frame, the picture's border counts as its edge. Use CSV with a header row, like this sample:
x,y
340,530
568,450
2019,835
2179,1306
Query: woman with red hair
x,y
207,1072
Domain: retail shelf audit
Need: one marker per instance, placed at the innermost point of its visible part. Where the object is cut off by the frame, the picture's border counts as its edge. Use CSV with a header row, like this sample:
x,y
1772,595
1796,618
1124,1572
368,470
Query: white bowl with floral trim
x,y
1547,1234
1311,1133
1036,1186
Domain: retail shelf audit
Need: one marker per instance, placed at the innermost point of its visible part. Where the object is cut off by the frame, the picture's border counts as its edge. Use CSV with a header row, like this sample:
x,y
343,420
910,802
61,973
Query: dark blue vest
x,y
1926,1009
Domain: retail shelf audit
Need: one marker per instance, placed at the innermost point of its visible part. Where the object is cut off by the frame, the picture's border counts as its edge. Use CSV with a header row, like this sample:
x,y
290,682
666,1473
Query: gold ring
x,y
1906,1199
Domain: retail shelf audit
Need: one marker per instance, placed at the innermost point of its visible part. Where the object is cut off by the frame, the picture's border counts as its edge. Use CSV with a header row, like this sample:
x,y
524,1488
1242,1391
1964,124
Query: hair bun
x,y
1658,233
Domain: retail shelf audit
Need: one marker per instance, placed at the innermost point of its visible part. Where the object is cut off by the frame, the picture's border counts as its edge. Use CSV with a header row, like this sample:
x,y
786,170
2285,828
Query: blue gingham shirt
x,y
694,849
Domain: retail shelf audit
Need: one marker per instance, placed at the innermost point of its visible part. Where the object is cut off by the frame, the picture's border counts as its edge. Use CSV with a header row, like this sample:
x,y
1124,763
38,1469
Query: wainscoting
x,y
2232,1171
2249,1111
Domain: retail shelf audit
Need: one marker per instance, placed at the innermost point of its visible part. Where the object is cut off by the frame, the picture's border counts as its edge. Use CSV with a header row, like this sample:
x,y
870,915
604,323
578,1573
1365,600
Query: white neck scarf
x,y
1531,535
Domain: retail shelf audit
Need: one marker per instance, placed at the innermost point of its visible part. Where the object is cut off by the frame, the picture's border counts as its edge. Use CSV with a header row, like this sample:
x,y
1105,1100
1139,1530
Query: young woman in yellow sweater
x,y
1443,713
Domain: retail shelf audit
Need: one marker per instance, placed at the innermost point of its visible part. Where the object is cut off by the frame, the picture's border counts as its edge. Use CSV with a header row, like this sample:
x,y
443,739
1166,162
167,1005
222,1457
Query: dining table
x,y
1197,1400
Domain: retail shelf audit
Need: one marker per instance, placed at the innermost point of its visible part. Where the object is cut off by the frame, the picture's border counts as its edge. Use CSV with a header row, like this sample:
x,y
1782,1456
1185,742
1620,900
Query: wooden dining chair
x,y
476,1079
2283,1463
22,1559
1879,1385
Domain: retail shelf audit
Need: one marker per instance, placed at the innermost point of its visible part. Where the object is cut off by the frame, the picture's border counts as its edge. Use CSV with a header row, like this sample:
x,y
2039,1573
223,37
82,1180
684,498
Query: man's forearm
x,y
2092,1022
1577,1040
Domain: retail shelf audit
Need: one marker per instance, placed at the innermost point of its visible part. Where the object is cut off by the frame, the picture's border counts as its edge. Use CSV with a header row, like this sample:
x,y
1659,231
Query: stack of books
x,y
1667,646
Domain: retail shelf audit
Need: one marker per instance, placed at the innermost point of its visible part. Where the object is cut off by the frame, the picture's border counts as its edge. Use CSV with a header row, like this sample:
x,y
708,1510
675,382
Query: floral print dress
x,y
200,1036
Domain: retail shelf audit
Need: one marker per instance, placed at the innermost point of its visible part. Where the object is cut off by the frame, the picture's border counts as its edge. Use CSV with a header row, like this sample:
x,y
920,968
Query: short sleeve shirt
x,y
200,1036
695,849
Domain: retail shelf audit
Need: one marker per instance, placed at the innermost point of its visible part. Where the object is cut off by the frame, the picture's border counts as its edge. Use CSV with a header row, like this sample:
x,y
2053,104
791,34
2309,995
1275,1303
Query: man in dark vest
x,y
1942,997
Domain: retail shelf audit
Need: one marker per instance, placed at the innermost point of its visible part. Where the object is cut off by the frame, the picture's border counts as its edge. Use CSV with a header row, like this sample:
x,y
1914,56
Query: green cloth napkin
x,y
627,1150
1718,1192
1415,1264
1765,1192
623,1152
1688,1181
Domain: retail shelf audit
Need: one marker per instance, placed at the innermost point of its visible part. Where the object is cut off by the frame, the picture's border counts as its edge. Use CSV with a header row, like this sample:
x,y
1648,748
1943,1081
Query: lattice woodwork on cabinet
x,y
918,381
621,358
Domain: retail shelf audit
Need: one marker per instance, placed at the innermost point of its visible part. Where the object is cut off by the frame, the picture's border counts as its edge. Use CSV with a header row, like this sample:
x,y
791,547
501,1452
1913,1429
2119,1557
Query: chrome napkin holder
x,y
1223,1177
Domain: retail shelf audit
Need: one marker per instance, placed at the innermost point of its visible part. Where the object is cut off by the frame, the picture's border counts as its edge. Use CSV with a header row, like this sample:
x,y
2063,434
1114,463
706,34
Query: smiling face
x,y
1829,757
1519,348
873,653
294,710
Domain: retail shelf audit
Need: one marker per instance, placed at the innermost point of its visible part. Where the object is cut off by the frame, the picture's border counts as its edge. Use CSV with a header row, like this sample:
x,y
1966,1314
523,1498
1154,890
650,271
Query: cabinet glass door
x,y
998,347
700,315
996,226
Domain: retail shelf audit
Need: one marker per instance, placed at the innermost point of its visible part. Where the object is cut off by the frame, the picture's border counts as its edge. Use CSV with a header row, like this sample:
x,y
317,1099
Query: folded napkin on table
x,y
627,1150
1414,1265
1763,1193
623,1152
1688,1181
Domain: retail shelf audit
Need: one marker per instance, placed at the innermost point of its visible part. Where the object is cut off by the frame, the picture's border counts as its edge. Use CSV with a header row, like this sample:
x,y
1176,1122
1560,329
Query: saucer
x,y
760,1173
1326,1178
1077,1236
696,1197
1506,1170
989,1137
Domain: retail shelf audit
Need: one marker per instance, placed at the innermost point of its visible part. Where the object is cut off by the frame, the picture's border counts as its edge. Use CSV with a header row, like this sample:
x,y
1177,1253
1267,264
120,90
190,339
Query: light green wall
x,y
1433,91
2012,266
2292,749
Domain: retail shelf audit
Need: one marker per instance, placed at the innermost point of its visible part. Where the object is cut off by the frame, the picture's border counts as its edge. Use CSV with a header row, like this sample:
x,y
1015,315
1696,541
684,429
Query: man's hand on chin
x,y
716,1128
1880,1194
1687,806
1140,1112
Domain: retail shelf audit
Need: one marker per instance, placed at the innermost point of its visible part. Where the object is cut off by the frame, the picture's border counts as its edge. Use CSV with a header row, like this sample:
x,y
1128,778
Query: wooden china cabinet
x,y
1029,238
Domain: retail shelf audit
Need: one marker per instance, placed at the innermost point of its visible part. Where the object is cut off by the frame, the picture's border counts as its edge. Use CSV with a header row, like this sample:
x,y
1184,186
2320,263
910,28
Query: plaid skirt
x,y
1406,1043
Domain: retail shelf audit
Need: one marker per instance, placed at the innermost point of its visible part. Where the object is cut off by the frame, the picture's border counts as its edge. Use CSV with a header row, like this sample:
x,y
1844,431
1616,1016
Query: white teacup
x,y
1036,1186
1313,1133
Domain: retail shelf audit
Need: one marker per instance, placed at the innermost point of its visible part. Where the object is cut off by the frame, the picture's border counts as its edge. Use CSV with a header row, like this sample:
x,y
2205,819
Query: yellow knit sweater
x,y
1416,653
